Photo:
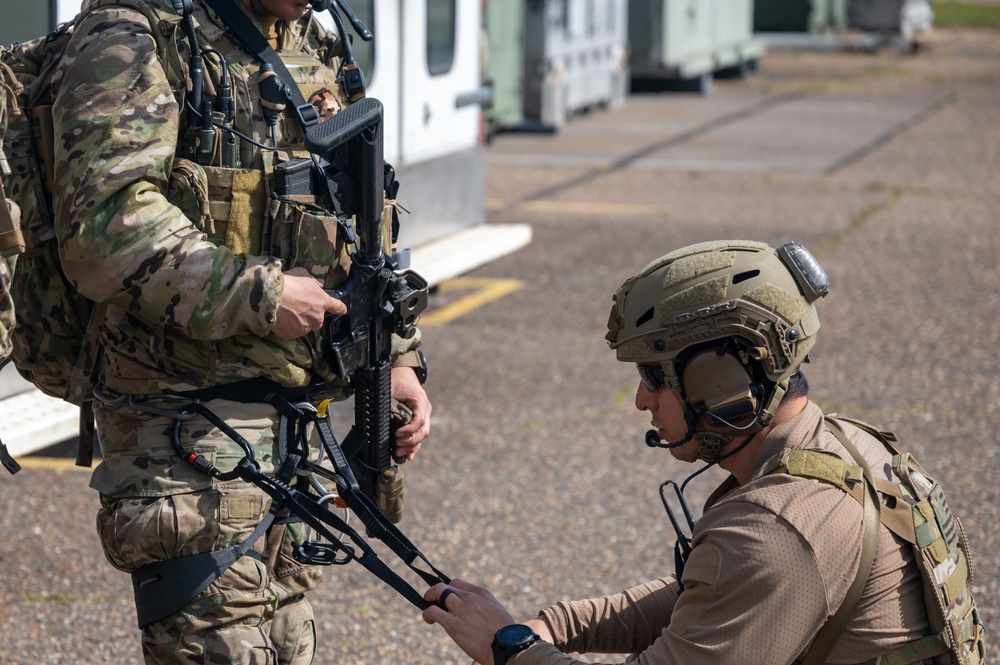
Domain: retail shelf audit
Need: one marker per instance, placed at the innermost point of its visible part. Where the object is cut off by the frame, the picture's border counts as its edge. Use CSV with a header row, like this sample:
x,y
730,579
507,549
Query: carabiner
x,y
201,463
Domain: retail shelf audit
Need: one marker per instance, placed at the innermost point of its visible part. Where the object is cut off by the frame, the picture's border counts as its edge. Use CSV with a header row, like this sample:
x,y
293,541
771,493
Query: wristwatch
x,y
510,640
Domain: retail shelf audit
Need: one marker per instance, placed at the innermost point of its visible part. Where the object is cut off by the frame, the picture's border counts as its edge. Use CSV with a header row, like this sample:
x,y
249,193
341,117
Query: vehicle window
x,y
441,21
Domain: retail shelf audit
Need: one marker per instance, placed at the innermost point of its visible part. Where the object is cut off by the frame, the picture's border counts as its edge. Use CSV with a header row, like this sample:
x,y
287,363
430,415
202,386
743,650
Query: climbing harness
x,y
164,587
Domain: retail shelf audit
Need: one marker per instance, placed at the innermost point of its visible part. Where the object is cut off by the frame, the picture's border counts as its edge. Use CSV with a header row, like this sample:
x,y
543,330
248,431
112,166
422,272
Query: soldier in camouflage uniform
x,y
210,279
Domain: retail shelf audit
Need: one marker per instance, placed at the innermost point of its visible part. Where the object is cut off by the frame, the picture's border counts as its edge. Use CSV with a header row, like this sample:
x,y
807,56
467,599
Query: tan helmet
x,y
739,300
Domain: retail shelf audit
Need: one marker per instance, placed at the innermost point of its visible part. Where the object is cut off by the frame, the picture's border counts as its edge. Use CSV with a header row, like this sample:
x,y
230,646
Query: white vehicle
x,y
424,66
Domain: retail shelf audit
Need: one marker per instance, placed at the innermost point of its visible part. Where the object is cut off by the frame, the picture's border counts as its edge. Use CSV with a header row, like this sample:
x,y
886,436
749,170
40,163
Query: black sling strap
x,y
250,35
164,587
8,460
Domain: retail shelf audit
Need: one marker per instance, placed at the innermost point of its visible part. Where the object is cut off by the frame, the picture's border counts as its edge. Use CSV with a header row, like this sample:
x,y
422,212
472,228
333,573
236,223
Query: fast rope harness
x,y
164,587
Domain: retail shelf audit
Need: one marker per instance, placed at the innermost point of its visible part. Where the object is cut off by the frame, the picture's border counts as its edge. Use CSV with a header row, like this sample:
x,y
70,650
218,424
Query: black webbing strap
x,y
250,35
375,521
317,516
164,587
8,460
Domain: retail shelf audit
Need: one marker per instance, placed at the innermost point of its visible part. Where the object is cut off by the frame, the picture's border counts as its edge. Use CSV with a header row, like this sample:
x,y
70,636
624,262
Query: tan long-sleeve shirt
x,y
771,560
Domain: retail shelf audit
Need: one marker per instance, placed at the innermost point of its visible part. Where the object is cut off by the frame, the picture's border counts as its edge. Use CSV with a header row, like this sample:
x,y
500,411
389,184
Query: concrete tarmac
x,y
536,482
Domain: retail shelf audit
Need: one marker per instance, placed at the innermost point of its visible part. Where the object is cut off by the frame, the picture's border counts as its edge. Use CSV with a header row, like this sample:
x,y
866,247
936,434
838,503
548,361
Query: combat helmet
x,y
724,325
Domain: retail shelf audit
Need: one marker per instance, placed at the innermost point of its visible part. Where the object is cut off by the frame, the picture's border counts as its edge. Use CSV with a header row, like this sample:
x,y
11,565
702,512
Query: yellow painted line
x,y
486,290
51,464
593,208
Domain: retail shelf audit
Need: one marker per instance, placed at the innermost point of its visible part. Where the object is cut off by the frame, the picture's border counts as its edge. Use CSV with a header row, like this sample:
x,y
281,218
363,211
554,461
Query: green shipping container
x,y
504,63
815,16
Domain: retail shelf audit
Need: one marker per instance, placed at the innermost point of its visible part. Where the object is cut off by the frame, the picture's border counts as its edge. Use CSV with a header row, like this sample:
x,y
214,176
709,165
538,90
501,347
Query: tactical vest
x,y
229,194
244,206
913,508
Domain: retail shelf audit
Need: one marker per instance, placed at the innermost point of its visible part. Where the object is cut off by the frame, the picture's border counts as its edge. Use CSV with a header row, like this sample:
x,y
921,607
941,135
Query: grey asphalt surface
x,y
536,482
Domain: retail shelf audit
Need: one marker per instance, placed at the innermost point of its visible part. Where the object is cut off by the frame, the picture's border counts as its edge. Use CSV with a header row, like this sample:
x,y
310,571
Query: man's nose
x,y
645,400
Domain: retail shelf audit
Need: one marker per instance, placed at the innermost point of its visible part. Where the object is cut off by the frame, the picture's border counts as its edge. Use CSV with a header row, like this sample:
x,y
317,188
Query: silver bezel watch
x,y
510,640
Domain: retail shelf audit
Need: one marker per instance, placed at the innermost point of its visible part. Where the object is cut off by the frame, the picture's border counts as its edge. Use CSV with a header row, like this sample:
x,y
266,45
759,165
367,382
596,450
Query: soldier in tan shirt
x,y
718,331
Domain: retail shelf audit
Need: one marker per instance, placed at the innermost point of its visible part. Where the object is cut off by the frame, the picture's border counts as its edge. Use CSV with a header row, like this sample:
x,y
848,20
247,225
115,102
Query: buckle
x,y
308,115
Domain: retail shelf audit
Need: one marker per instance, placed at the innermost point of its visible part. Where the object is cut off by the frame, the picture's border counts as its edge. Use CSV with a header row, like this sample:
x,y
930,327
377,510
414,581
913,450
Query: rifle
x,y
381,299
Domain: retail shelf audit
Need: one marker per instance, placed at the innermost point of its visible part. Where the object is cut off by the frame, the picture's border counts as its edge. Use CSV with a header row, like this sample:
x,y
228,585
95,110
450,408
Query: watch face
x,y
514,634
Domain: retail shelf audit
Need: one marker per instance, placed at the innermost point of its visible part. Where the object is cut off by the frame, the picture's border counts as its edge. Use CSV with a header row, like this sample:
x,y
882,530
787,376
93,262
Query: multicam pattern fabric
x,y
7,90
155,506
6,310
188,256
190,303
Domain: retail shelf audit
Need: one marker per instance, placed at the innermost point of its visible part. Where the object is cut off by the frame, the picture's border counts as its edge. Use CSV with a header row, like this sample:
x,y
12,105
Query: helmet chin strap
x,y
653,439
710,444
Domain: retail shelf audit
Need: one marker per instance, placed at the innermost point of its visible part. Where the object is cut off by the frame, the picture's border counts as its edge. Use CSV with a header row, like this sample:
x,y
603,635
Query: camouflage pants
x,y
155,506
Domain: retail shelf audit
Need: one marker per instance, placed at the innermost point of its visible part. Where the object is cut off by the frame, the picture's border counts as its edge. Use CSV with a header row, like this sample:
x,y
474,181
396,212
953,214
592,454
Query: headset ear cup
x,y
716,381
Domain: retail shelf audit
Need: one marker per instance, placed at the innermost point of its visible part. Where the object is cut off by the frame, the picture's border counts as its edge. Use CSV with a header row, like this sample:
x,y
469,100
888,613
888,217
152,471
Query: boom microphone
x,y
653,440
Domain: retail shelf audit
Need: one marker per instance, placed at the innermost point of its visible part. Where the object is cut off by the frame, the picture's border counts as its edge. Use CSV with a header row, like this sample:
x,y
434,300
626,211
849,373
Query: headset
x,y
720,385
723,382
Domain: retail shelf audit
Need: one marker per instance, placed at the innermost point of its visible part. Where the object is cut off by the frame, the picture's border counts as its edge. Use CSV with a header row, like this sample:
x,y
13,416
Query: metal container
x,y
907,18
686,42
813,16
503,69
574,58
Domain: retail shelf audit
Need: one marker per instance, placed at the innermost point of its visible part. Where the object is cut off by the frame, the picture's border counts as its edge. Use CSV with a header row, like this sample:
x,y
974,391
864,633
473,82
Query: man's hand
x,y
303,305
407,390
473,617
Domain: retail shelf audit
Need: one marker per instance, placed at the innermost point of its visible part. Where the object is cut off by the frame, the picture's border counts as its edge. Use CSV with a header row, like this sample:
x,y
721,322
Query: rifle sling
x,y
256,43
164,587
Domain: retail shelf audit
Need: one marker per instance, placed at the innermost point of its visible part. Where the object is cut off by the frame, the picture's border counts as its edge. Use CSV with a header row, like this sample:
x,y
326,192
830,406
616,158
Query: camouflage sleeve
x,y
121,242
404,351
6,308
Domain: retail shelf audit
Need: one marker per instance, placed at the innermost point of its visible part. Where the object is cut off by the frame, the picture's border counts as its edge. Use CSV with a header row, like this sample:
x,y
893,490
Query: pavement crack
x,y
858,222
890,134
683,137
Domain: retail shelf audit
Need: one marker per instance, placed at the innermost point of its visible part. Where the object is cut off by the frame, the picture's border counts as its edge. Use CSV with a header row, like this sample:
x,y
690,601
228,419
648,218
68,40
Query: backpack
x,y
11,241
915,509
55,342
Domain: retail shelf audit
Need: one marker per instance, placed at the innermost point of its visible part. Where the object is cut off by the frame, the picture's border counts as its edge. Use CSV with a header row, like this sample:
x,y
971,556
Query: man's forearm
x,y
626,622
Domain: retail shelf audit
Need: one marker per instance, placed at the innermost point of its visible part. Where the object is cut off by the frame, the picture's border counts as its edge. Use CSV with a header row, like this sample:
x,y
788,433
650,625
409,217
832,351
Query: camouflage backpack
x,y
913,507
11,241
55,342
